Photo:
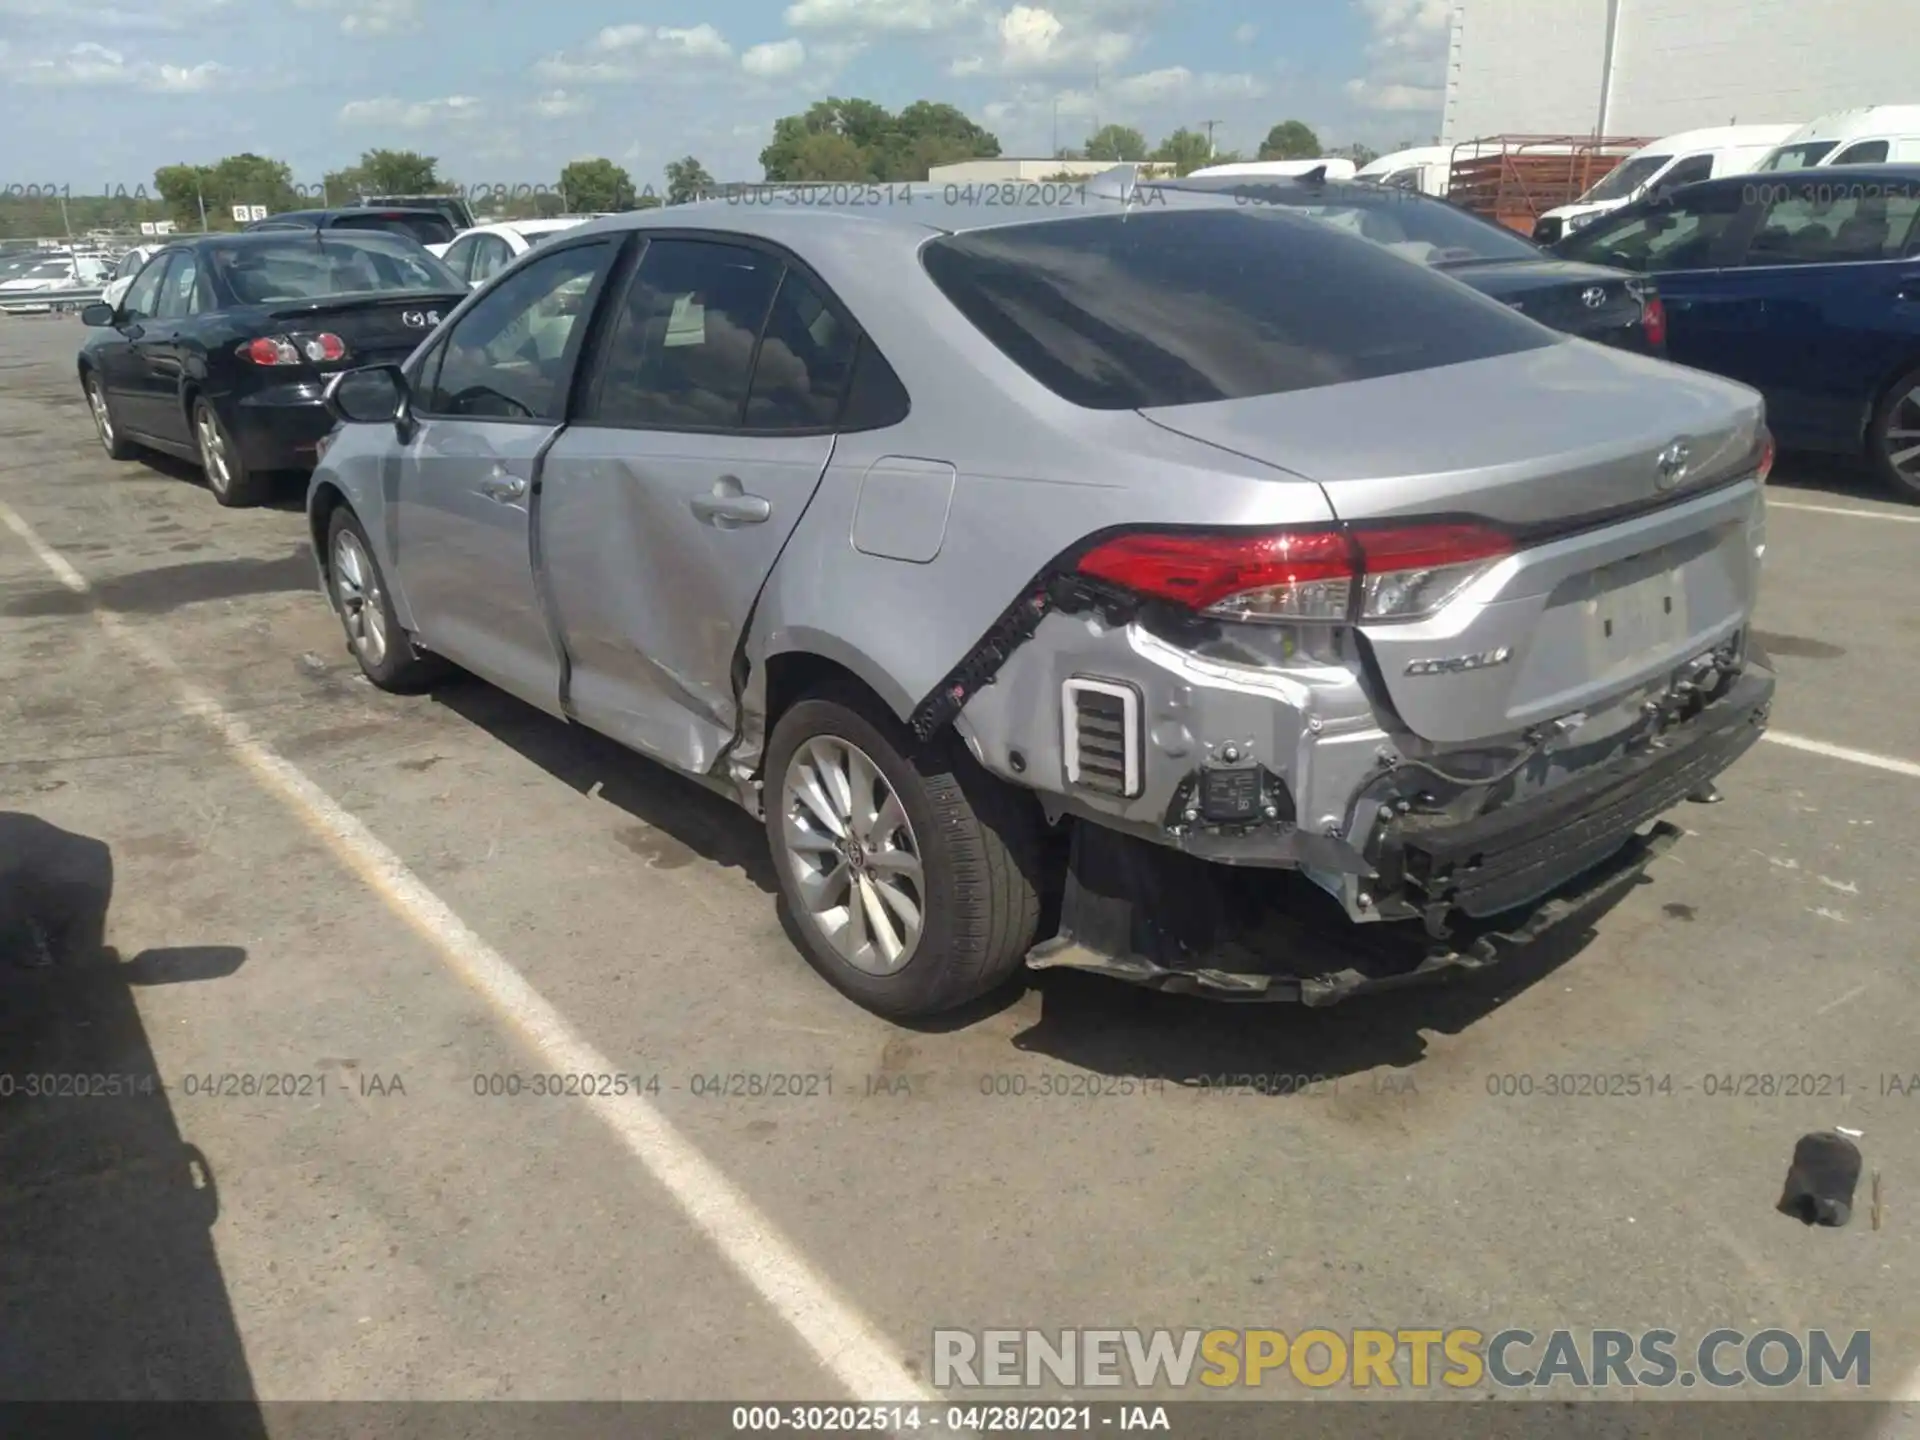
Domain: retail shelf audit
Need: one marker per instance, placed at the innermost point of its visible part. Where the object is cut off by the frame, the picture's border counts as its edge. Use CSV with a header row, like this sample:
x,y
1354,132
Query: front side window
x,y
1625,178
459,256
506,357
143,296
680,356
1177,307
1667,234
180,296
1689,170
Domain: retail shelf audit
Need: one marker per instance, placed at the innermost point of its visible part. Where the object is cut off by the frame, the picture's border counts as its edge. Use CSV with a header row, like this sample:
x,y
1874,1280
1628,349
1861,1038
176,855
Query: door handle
x,y
503,487
727,506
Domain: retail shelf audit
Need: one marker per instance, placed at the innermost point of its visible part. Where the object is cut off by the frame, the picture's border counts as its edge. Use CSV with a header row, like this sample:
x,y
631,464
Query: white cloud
x,y
774,59
1406,55
412,114
152,15
556,104
1030,40
91,64
881,17
1243,34
633,52
369,19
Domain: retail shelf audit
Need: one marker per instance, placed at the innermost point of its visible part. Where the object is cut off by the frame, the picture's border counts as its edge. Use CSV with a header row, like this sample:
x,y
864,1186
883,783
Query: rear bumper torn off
x,y
1485,886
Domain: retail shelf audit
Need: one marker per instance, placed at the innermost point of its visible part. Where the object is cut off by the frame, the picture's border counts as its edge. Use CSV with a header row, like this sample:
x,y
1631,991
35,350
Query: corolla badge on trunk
x,y
1670,467
1459,664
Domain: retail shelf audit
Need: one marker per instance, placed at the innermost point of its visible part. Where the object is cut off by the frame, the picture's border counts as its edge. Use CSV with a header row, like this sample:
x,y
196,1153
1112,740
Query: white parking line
x,y
1842,752
1842,510
858,1356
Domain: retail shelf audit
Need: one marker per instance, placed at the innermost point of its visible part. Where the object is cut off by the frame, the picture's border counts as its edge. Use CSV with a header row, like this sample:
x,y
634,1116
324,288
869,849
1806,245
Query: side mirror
x,y
97,314
375,395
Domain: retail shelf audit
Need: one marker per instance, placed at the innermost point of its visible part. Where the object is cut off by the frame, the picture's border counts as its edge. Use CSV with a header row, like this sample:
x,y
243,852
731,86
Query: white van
x,y
1676,160
1337,169
1425,168
1872,135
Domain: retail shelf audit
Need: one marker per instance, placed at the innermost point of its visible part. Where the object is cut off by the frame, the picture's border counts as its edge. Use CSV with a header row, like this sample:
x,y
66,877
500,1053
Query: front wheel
x,y
1894,438
384,651
110,438
910,874
232,481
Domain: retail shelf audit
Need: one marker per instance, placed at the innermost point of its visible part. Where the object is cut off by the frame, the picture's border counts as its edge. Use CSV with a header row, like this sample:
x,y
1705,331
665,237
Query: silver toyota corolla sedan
x,y
1106,576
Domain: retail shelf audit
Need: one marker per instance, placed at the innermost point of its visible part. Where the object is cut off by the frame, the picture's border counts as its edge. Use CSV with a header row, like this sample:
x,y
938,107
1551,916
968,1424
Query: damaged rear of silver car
x,y
1452,612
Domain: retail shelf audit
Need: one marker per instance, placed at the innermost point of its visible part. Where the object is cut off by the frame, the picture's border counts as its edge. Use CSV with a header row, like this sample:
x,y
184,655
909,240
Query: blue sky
x,y
508,91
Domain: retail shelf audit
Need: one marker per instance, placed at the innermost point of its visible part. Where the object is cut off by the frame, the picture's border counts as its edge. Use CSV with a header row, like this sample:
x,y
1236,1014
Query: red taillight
x,y
1767,452
322,348
1401,573
1653,320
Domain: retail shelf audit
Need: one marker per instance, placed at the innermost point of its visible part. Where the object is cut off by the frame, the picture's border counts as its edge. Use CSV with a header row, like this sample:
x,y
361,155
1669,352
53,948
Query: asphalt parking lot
x,y
384,898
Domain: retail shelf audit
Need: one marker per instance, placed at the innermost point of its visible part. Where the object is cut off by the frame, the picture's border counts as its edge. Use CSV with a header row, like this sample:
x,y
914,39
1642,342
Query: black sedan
x,y
1594,302
220,349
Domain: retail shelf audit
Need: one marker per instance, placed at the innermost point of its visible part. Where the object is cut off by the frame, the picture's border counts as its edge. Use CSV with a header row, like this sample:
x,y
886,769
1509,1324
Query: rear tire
x,y
384,652
919,891
1893,438
110,438
233,484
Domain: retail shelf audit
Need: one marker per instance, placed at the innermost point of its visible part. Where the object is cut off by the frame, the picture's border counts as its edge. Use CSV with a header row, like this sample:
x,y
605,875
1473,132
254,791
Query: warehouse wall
x,y
1539,65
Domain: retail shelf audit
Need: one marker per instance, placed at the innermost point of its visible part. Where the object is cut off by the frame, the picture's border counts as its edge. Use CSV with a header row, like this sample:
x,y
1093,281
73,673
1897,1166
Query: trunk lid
x,y
1627,566
1590,301
378,328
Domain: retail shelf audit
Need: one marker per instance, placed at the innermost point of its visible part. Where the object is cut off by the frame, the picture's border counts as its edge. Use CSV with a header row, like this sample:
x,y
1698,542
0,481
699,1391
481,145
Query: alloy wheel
x,y
356,585
213,450
97,402
1903,437
853,855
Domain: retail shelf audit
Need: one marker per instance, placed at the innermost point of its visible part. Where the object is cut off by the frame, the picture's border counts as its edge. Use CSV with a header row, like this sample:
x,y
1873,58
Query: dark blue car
x,y
1805,286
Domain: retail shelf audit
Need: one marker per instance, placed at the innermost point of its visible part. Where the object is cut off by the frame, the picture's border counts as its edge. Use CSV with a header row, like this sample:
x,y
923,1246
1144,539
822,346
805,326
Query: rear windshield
x,y
1118,312
325,263
427,229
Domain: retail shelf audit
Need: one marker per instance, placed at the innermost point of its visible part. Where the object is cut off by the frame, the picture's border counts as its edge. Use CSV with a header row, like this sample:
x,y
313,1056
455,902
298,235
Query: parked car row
x,y
1868,135
1103,566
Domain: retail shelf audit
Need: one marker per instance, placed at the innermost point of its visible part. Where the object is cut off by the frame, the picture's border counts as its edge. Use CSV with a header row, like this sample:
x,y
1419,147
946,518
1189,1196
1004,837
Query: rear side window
x,y
680,356
1118,312
805,362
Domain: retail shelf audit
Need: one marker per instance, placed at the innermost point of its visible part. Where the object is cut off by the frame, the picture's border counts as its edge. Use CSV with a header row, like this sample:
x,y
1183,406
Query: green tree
x,y
853,139
687,179
1291,140
245,179
1185,150
596,184
1117,143
384,172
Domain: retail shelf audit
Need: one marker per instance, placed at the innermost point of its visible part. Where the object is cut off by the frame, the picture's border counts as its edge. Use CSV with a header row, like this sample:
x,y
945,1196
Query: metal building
x,y
1653,67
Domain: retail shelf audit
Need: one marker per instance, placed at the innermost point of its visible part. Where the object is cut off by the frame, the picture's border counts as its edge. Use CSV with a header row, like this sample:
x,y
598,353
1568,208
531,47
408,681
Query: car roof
x,y
915,210
1863,121
277,237
1718,137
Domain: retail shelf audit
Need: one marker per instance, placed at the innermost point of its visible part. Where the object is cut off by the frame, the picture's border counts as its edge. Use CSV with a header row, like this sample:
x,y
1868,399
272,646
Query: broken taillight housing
x,y
1362,575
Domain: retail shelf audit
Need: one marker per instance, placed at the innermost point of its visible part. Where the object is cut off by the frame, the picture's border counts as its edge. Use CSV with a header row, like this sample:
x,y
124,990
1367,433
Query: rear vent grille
x,y
1102,720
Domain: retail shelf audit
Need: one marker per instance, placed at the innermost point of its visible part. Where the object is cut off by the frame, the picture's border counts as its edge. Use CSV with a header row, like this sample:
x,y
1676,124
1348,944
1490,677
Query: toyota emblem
x,y
1671,466
1593,297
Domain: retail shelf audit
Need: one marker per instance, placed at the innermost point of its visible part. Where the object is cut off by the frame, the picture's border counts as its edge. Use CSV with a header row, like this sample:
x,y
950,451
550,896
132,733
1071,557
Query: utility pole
x,y
1210,124
203,209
